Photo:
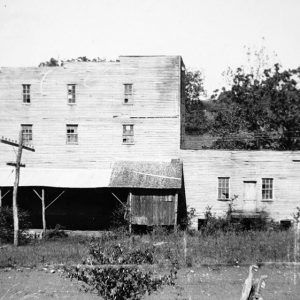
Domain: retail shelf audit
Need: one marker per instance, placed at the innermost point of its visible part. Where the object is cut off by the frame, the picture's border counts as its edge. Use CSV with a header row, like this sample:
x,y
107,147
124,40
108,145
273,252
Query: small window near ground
x,y
71,93
267,188
27,133
26,93
128,94
128,134
72,134
223,188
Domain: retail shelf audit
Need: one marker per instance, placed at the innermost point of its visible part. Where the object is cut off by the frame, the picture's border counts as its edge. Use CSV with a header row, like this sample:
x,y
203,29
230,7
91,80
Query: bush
x,y
7,225
55,233
117,254
118,283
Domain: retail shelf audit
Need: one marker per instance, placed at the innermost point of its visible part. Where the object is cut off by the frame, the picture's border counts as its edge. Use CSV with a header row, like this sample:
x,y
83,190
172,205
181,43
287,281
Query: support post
x,y
15,191
0,198
175,211
43,212
130,212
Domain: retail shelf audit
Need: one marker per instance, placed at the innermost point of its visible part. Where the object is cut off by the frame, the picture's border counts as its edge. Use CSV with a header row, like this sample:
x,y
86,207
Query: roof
x,y
125,174
60,178
147,174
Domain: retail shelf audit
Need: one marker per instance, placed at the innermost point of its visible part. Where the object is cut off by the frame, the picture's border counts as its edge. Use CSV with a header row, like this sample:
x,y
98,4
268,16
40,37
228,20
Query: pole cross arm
x,y
16,144
14,164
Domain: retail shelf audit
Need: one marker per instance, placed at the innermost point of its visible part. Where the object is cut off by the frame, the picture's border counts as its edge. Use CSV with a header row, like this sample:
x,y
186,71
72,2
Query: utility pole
x,y
17,166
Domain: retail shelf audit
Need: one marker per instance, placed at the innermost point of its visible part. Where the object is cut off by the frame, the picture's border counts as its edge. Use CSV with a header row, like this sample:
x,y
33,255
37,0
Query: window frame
x,y
71,93
267,189
128,94
223,185
128,135
71,135
26,89
27,134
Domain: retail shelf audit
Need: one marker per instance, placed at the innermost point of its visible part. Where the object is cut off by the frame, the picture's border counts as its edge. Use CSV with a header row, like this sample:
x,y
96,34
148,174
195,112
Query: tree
x,y
195,111
258,113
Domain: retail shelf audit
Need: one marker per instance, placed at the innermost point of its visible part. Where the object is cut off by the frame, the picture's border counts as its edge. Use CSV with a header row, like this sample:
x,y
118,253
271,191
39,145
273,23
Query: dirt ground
x,y
193,283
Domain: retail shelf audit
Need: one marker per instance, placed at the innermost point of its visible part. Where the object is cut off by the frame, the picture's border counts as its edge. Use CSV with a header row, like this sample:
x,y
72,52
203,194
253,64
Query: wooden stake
x,y
175,211
15,191
43,212
42,198
130,210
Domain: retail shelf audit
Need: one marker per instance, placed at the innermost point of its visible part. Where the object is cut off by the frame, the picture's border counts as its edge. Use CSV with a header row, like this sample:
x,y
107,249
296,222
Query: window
x,y
26,93
267,189
128,134
128,93
72,134
223,188
27,133
71,93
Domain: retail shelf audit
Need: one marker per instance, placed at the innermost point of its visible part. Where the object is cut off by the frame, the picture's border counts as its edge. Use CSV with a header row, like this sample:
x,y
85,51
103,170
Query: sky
x,y
210,35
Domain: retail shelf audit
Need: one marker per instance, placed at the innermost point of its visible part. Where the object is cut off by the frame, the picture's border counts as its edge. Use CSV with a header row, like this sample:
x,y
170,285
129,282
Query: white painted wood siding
x,y
99,111
203,167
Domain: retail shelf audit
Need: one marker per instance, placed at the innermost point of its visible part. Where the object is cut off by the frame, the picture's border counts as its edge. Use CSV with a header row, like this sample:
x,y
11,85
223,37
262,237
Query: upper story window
x,y
223,188
128,93
27,133
71,93
72,134
267,189
26,93
128,134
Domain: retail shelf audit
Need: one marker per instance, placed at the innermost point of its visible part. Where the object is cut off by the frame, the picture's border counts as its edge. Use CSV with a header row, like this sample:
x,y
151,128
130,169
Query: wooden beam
x,y
43,212
54,200
130,212
175,211
14,164
16,144
2,196
118,199
15,191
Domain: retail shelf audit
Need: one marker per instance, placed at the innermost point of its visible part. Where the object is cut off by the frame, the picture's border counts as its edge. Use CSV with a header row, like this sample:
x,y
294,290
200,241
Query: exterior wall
x,y
99,111
202,168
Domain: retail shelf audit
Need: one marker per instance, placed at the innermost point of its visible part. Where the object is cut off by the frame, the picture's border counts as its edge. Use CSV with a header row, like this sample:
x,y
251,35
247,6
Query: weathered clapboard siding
x,y
99,111
153,209
203,167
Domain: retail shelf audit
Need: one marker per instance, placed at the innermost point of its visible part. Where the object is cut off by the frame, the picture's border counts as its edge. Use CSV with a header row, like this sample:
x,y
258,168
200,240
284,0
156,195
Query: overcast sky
x,y
209,35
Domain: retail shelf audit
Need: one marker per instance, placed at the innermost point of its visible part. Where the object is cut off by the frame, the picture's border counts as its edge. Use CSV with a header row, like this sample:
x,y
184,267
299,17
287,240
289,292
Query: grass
x,y
66,250
220,248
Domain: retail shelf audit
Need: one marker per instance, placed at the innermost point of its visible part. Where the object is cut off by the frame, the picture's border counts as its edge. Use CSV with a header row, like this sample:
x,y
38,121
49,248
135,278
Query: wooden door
x,y
250,196
153,209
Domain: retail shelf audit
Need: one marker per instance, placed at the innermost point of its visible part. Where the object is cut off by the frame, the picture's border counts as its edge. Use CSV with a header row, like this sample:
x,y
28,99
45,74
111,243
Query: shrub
x,y
118,283
7,225
117,254
55,233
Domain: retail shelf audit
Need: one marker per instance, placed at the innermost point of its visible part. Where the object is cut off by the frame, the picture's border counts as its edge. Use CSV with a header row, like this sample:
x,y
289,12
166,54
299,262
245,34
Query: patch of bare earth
x,y
192,283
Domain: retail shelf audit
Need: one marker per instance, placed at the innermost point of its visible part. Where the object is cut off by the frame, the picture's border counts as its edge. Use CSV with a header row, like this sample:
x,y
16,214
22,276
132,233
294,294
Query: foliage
x,y
55,233
188,220
115,281
52,62
195,118
118,283
259,114
259,110
7,225
118,254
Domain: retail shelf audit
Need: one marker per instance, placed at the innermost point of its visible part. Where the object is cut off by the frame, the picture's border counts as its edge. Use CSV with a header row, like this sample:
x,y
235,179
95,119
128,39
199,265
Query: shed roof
x,y
60,178
147,174
125,174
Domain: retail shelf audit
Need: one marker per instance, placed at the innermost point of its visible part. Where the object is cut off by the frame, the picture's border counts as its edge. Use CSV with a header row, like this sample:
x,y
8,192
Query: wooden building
x,y
113,132
83,118
256,181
